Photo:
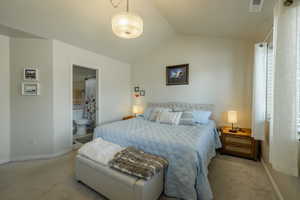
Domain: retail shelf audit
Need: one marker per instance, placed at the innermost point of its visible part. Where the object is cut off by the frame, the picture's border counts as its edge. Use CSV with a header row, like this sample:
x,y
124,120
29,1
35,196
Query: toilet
x,y
80,122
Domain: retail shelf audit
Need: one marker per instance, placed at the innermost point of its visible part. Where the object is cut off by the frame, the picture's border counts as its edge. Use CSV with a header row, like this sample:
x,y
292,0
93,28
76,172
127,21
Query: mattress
x,y
188,149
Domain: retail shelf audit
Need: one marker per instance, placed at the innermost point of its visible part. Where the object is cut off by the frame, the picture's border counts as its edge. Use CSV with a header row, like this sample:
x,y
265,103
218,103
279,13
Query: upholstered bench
x,y
116,185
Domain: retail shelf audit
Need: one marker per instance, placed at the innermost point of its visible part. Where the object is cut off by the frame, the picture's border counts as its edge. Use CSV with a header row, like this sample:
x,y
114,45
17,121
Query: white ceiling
x,y
225,18
86,23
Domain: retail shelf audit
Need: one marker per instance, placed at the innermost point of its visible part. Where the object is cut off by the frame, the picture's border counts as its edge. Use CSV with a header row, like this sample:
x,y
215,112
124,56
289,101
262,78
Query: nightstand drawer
x,y
238,140
238,149
239,143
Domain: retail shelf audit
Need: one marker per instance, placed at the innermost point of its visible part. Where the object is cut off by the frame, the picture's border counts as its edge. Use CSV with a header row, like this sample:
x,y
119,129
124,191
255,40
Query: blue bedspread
x,y
187,148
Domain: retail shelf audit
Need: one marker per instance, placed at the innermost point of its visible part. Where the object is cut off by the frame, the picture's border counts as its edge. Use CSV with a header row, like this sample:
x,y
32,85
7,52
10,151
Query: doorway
x,y
84,103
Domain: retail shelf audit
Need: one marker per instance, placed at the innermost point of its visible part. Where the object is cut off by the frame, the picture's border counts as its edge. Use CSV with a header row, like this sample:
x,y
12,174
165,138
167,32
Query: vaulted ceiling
x,y
223,18
87,23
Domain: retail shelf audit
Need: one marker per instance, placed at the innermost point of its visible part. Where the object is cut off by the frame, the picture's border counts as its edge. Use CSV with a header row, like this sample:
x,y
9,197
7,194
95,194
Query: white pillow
x,y
187,118
168,117
156,111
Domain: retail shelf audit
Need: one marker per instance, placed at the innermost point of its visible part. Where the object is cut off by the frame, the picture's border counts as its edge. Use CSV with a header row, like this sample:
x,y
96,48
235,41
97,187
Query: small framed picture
x,y
30,89
31,74
136,89
142,93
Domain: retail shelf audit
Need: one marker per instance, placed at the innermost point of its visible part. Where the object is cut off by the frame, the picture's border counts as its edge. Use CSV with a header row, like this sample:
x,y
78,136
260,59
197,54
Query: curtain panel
x,y
259,91
283,141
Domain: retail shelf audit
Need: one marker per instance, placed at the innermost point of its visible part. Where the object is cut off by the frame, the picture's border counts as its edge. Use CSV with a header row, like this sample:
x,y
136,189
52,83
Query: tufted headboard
x,y
179,106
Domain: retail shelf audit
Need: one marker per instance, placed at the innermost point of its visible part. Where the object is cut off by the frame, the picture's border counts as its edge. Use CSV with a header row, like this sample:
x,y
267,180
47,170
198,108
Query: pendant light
x,y
127,25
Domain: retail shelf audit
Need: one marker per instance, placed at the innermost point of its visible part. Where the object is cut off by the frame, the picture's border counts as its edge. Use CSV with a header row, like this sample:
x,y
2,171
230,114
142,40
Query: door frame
x,y
98,90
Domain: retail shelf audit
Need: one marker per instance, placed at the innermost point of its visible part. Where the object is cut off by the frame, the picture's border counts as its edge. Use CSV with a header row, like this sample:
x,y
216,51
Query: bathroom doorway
x,y
85,100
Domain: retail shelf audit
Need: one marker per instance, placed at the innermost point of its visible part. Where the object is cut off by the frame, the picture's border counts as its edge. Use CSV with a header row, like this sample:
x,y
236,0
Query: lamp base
x,y
233,131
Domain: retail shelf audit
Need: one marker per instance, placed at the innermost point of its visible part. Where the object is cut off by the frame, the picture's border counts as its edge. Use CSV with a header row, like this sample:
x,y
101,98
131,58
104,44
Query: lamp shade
x,y
232,117
136,109
127,25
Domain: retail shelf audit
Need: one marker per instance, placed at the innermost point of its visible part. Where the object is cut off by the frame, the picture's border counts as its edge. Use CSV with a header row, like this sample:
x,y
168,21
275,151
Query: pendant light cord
x,y
127,7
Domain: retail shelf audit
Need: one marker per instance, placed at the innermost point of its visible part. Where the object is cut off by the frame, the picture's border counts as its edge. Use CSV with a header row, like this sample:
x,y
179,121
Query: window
x,y
269,82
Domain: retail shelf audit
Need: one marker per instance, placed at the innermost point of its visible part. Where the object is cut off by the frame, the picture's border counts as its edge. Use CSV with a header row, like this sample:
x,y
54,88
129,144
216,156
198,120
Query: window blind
x,y
269,82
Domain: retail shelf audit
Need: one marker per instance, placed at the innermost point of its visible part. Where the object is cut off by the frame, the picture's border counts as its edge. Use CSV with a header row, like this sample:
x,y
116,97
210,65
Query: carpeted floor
x,y
231,179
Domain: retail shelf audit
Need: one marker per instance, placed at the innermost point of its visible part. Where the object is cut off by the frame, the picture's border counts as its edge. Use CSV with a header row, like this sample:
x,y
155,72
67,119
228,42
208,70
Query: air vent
x,y
256,5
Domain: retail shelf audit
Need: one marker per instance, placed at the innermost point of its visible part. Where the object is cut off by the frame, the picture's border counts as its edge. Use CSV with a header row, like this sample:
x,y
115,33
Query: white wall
x,y
220,73
42,125
4,100
114,84
31,116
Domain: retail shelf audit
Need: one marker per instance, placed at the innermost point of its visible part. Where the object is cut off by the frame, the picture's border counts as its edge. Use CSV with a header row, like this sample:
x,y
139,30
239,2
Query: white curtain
x,y
284,143
259,91
90,99
90,88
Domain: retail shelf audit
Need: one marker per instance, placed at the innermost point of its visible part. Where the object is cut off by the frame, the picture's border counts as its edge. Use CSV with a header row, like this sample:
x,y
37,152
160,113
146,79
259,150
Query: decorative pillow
x,y
167,117
187,118
147,113
201,116
177,119
156,111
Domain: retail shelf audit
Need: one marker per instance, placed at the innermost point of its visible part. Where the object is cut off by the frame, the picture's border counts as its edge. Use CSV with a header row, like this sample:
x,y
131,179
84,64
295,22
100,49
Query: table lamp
x,y
136,109
232,118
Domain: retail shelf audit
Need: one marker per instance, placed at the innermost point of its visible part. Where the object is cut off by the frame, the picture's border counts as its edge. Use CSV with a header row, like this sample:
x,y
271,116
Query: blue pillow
x,y
147,113
201,116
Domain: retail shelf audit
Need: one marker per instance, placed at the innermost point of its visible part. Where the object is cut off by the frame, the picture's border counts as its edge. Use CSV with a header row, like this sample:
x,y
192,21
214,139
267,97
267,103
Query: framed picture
x,y
177,75
142,93
136,89
31,74
30,89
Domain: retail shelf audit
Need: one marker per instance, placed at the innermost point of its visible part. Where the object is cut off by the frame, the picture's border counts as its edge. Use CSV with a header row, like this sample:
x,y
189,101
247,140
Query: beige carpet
x,y
231,179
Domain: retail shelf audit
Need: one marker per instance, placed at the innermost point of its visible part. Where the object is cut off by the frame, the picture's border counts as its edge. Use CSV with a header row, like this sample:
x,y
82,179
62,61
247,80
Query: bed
x,y
188,149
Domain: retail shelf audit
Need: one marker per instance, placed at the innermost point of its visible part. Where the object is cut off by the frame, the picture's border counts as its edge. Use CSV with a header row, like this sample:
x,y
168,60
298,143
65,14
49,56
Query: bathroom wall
x,y
79,76
4,100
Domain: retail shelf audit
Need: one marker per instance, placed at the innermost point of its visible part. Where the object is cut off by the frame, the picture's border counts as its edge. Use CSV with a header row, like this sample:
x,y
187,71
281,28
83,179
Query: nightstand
x,y
128,117
239,144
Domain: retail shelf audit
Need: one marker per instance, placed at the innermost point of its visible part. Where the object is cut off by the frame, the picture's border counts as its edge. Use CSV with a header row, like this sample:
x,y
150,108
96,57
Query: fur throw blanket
x,y
138,163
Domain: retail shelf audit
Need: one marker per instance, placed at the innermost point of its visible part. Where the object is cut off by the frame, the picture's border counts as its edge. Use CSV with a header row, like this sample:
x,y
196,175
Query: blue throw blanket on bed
x,y
187,148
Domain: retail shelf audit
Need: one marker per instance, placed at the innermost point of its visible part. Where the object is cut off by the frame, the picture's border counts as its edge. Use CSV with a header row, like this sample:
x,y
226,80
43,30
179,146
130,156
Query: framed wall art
x,y
177,75
30,89
142,93
136,89
31,74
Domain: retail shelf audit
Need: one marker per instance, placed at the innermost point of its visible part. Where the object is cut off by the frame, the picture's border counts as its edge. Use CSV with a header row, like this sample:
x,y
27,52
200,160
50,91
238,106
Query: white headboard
x,y
180,106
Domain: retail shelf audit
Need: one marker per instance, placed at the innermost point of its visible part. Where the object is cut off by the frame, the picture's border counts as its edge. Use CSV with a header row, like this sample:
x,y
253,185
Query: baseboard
x,y
4,161
39,157
274,184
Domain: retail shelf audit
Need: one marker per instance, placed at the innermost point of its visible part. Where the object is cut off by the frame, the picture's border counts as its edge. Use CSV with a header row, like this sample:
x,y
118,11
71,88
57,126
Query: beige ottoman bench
x,y
116,185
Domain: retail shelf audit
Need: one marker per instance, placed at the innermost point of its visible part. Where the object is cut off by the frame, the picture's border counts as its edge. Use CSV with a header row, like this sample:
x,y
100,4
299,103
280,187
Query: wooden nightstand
x,y
239,144
128,117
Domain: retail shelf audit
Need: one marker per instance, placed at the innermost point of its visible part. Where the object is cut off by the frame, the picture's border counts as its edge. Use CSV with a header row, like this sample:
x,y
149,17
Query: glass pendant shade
x,y
127,25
